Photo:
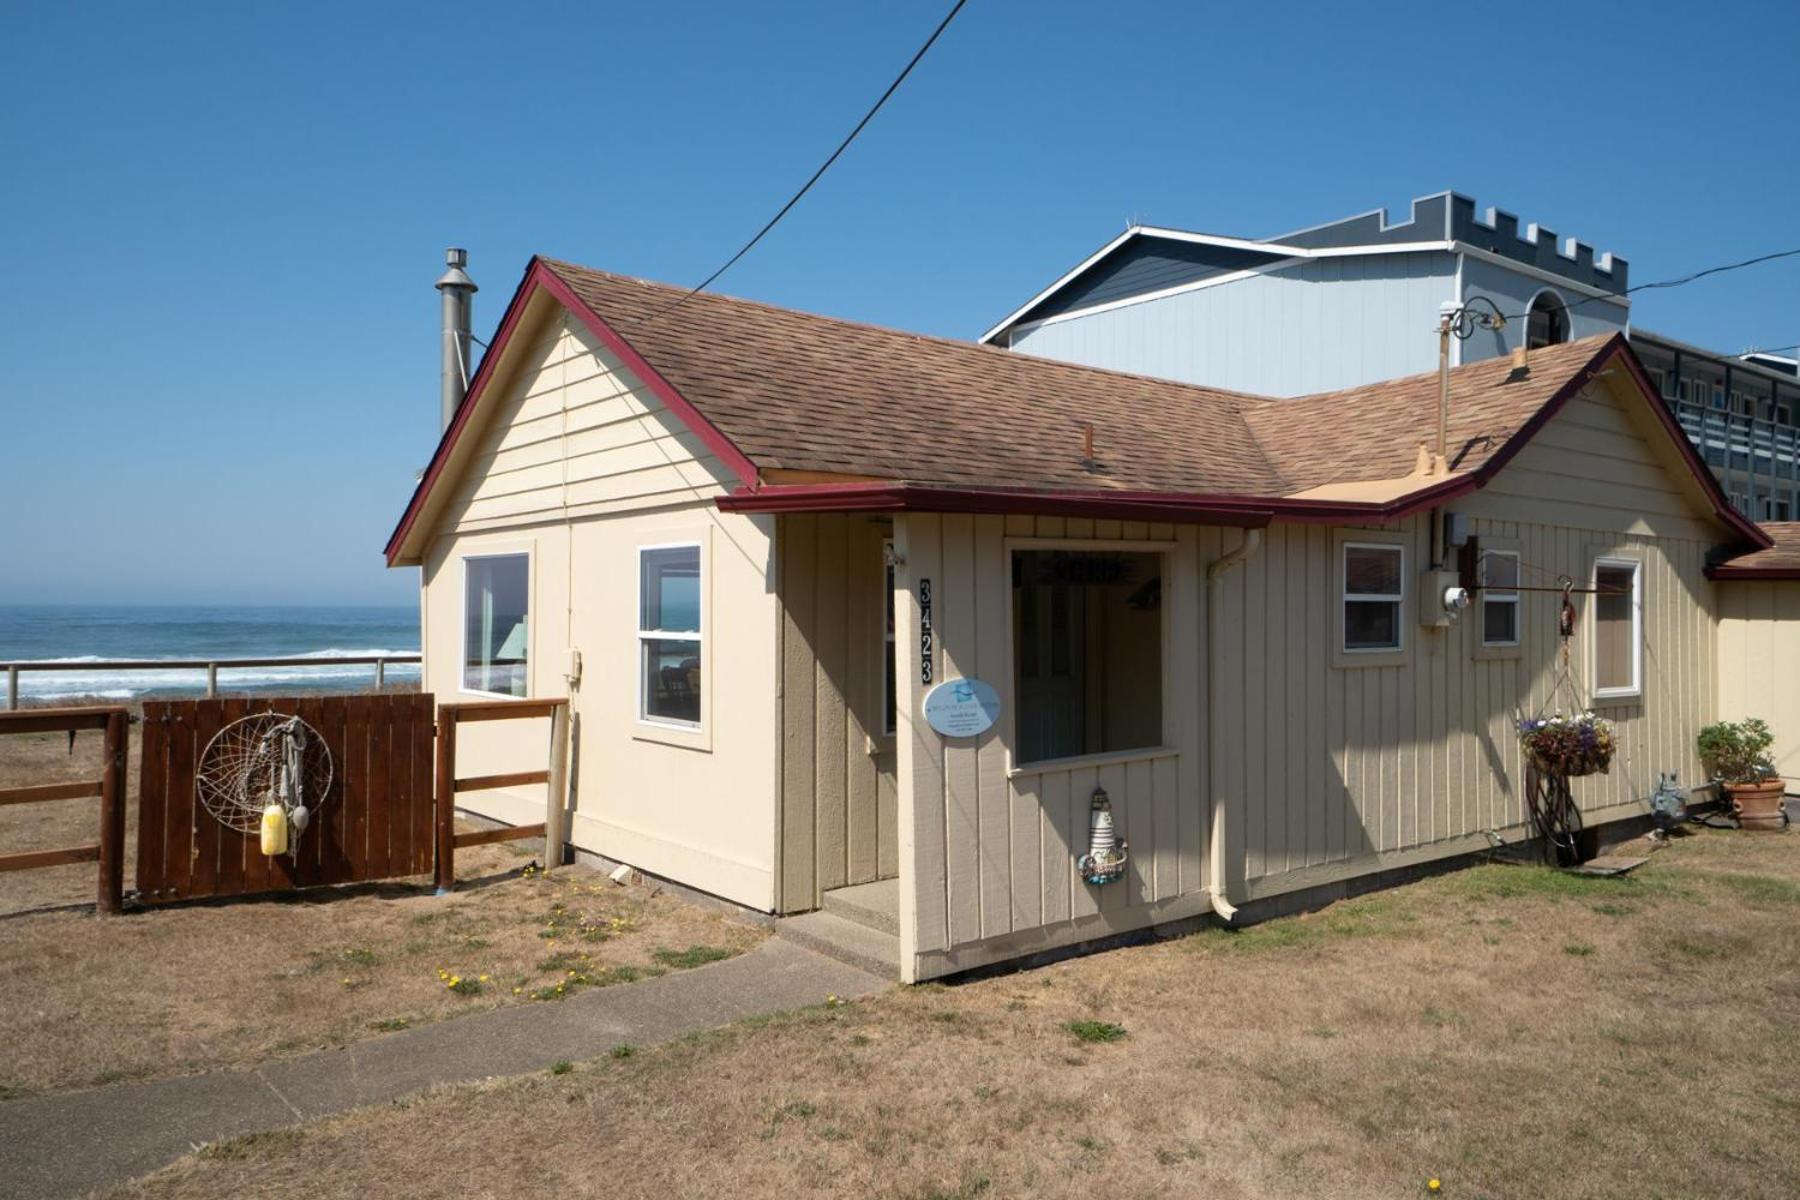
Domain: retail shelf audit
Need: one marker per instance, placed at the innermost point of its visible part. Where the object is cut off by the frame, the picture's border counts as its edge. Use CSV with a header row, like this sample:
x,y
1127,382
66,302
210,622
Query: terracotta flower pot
x,y
1757,805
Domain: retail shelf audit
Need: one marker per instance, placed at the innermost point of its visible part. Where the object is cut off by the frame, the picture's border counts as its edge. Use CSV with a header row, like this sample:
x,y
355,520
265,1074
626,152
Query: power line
x,y
823,167
1672,283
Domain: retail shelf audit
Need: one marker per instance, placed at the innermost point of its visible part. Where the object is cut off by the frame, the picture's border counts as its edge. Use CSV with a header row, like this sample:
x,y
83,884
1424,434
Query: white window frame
x,y
1636,688
1508,596
462,620
644,636
1346,597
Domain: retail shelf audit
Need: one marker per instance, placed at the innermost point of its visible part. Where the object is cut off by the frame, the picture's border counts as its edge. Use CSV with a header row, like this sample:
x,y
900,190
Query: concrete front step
x,y
876,905
849,942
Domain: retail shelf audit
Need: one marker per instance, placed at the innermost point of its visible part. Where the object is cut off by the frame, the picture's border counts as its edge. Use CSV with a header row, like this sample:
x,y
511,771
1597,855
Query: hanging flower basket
x,y
1569,746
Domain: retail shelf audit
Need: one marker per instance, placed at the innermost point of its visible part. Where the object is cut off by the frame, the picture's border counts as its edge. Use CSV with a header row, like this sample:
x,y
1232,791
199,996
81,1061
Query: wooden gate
x,y
375,823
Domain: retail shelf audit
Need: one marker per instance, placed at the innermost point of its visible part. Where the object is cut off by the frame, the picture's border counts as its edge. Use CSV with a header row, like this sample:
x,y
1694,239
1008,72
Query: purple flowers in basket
x,y
1580,745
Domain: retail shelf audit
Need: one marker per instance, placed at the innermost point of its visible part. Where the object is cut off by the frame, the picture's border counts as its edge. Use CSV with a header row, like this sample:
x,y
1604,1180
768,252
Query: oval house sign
x,y
962,707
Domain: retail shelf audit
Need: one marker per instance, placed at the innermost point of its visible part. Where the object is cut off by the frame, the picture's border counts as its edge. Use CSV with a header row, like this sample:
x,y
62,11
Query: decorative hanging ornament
x,y
1105,860
263,775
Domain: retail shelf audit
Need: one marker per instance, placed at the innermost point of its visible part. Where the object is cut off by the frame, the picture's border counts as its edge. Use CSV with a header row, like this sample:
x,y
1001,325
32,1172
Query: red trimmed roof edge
x,y
1240,511
1726,572
900,496
538,274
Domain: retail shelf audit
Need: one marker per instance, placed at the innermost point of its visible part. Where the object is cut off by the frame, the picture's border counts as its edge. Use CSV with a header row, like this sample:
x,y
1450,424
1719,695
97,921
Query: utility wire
x,y
1672,283
823,167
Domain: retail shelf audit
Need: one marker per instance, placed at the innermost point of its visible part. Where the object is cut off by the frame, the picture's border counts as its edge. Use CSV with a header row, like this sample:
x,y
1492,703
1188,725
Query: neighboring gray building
x,y
1740,412
1354,301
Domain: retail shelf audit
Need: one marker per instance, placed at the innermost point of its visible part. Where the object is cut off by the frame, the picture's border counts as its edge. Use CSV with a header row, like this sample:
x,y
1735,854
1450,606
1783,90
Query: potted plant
x,y
1737,754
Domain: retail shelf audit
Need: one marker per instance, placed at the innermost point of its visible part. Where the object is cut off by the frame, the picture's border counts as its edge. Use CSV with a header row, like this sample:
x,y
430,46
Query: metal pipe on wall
x,y
1217,892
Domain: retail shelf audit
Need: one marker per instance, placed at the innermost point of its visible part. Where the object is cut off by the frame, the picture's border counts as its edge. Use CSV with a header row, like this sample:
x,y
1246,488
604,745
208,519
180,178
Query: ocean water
x,y
71,635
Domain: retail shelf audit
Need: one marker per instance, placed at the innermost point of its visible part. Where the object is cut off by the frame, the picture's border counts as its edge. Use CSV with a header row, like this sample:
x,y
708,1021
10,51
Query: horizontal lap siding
x,y
575,433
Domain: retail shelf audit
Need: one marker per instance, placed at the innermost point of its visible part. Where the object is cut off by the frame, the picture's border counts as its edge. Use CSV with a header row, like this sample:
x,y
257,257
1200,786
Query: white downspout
x,y
1215,706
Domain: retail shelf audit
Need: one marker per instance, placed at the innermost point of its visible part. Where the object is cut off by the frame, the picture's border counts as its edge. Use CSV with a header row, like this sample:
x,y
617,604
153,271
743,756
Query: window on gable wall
x,y
1373,580
1499,598
1618,615
669,634
495,624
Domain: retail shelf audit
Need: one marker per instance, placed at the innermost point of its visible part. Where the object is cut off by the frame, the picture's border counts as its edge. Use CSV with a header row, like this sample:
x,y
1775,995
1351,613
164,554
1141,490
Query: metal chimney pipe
x,y
458,291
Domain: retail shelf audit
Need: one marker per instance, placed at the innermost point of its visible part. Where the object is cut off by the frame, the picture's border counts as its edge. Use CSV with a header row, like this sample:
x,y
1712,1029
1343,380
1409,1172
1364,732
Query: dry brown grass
x,y
1512,1031
87,1000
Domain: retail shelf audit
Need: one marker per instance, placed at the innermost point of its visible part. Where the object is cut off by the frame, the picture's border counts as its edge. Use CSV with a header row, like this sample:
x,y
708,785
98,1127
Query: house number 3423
x,y
925,672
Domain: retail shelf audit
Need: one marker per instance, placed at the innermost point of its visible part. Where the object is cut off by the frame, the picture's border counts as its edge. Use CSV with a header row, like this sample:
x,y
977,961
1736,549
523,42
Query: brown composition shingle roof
x,y
796,391
1780,561
943,421
1374,431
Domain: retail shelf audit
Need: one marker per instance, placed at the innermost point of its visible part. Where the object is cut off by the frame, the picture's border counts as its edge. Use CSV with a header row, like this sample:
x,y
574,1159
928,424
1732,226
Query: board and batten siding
x,y
1326,771
991,849
1759,661
839,824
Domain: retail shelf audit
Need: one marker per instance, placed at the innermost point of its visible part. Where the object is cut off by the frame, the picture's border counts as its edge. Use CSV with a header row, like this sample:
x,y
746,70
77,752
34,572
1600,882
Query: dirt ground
x,y
1510,1031
86,1000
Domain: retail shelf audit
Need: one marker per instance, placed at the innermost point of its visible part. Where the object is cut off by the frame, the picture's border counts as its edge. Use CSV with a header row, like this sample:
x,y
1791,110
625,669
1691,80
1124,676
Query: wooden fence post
x,y
446,799
112,812
556,806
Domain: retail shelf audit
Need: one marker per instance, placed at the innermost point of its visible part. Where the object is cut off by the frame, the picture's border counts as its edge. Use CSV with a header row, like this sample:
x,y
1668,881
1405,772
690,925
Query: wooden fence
x,y
554,777
109,851
375,822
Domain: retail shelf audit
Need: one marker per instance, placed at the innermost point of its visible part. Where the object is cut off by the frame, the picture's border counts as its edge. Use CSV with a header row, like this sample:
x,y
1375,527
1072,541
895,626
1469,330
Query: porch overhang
x,y
1243,512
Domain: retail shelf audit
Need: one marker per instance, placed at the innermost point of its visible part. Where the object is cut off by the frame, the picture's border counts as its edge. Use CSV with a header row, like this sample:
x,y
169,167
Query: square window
x,y
1373,596
669,634
1499,598
1088,652
496,624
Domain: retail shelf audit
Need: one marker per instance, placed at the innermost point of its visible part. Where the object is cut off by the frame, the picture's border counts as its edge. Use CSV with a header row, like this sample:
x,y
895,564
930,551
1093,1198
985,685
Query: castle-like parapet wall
x,y
1451,216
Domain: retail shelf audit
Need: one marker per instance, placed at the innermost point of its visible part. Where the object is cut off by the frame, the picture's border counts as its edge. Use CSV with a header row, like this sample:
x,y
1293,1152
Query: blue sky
x,y
220,222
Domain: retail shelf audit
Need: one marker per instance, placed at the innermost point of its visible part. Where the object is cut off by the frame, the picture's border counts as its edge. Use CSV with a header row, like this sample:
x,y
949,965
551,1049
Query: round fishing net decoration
x,y
261,760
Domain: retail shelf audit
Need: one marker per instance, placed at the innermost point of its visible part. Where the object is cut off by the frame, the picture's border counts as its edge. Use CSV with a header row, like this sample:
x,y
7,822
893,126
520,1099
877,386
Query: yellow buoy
x,y
274,831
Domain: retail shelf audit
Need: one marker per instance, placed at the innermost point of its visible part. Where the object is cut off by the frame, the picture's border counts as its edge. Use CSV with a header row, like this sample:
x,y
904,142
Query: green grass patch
x,y
251,1145
1759,889
1095,1031
561,1067
1578,949
693,956
622,1051
564,961
390,1024
1366,916
1496,881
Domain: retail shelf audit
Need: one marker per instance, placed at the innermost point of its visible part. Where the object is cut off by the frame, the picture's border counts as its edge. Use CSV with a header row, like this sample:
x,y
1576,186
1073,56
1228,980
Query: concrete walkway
x,y
69,1144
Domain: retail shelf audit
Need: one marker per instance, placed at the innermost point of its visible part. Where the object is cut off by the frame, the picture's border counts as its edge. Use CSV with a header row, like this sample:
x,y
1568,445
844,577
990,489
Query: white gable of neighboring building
x,y
1337,306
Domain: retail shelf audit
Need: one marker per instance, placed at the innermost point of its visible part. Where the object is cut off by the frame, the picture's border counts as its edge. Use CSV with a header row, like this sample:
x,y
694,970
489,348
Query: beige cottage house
x,y
750,542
